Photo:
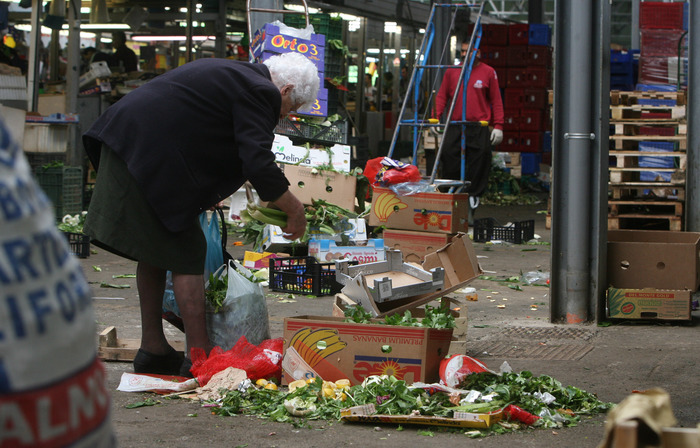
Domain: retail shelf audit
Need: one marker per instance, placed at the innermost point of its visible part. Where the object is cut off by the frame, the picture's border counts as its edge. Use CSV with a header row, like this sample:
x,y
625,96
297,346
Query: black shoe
x,y
185,368
168,364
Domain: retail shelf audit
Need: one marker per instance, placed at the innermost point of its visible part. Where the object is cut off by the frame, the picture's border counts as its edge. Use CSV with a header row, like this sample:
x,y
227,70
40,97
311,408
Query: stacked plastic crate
x,y
332,28
663,42
521,54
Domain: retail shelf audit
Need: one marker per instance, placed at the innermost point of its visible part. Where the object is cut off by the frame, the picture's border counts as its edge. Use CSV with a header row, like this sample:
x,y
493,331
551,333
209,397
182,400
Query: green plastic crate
x,y
331,27
64,187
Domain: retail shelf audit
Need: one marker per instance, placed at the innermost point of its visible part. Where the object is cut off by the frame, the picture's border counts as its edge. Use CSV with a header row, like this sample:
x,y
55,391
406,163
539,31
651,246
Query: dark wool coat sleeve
x,y
192,136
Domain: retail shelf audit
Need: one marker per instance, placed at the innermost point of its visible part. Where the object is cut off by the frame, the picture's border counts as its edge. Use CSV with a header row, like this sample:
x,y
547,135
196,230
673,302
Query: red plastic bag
x,y
384,171
258,361
513,412
455,368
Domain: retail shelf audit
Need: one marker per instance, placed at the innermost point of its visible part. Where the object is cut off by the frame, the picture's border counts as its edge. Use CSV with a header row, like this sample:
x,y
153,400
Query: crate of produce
x,y
79,244
488,229
336,132
303,275
64,187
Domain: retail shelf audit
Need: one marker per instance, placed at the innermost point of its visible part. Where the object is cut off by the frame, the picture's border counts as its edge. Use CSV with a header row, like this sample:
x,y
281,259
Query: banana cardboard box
x,y
427,212
332,349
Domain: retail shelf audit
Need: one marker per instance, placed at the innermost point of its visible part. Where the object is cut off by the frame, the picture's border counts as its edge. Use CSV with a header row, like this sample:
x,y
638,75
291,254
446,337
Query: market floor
x,y
504,324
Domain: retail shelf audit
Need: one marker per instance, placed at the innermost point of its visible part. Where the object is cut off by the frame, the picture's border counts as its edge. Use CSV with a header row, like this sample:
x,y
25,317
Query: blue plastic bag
x,y
214,260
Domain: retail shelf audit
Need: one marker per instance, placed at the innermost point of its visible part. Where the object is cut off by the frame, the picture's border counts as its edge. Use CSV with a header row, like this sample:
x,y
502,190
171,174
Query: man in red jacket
x,y
484,105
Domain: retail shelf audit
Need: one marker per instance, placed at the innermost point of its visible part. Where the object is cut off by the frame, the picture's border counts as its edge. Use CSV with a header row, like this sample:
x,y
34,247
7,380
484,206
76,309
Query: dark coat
x,y
192,136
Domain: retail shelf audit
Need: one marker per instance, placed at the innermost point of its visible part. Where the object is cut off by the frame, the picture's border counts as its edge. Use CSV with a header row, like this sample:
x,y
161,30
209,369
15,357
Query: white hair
x,y
297,70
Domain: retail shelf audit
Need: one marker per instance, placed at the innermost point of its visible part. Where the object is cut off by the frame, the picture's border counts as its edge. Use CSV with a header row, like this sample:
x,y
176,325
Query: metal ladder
x,y
411,119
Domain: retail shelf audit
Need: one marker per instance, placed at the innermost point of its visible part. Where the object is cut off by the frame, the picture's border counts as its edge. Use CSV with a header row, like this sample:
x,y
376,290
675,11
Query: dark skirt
x,y
121,221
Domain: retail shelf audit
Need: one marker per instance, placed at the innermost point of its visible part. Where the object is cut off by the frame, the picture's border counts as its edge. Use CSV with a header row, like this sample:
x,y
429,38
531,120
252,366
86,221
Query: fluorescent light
x,y
102,26
155,38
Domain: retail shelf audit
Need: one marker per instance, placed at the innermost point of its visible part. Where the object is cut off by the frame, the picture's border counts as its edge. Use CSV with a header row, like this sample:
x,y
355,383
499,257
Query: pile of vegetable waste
x,y
525,400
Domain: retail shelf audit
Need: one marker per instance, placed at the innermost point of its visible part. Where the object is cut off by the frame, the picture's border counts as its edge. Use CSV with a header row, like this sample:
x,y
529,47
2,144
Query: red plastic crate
x,y
653,70
538,77
530,141
661,15
494,34
517,77
502,75
519,34
660,42
535,98
517,56
664,131
511,142
539,55
532,120
511,119
547,158
513,98
494,56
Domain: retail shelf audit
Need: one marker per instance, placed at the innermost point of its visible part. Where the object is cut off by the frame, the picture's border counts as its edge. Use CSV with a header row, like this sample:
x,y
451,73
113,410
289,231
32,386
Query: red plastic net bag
x,y
258,361
384,171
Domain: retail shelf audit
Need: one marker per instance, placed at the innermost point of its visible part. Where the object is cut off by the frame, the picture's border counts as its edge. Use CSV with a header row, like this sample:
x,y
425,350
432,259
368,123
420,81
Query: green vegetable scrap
x,y
73,223
440,318
112,285
216,292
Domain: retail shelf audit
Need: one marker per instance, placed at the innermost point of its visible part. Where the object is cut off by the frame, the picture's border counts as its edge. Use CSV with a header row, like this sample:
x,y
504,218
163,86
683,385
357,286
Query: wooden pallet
x,y
641,222
634,127
630,176
630,158
111,348
621,208
631,142
626,191
638,112
622,98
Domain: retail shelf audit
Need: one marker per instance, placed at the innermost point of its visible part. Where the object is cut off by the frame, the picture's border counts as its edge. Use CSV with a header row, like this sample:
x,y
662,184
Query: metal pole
x,y
692,182
535,11
189,31
74,153
220,27
576,181
634,29
33,69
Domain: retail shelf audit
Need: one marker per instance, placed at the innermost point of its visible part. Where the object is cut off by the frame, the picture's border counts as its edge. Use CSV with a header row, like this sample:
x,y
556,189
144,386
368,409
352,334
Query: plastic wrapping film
x,y
663,70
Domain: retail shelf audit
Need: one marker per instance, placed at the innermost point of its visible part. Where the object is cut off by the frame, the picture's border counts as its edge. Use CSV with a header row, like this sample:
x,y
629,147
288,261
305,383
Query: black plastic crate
x,y
488,229
64,187
335,133
303,275
79,244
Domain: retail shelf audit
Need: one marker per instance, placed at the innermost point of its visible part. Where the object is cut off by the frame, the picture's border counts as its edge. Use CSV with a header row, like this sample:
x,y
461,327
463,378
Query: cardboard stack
x,y
420,223
652,274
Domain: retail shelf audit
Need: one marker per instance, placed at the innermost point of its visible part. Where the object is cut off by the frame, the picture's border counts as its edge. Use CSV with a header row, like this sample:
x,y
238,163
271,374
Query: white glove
x,y
496,137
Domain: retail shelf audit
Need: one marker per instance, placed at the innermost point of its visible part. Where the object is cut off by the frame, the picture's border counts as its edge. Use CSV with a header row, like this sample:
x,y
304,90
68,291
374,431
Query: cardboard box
x,y
657,259
458,345
649,304
356,351
338,156
457,258
308,184
255,260
431,212
366,414
273,239
327,250
269,39
414,245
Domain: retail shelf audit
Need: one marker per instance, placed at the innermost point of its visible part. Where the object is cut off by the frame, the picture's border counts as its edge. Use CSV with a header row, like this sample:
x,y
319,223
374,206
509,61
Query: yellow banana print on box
x,y
386,204
314,345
